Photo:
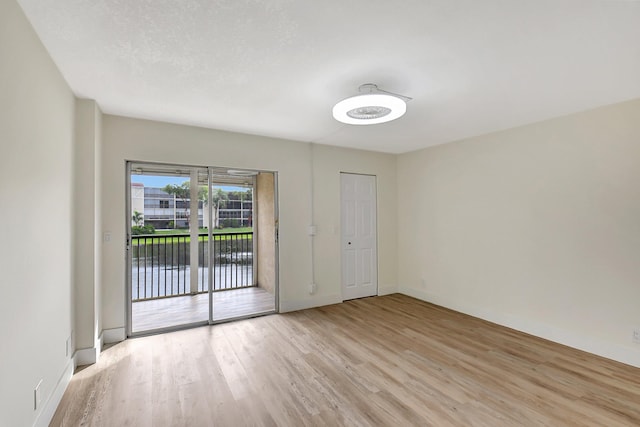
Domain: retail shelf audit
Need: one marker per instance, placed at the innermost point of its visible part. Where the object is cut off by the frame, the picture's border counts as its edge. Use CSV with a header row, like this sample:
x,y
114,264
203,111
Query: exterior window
x,y
164,204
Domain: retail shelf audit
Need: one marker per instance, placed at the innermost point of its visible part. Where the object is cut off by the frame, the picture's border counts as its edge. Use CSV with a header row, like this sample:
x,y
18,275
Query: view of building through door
x,y
358,220
195,249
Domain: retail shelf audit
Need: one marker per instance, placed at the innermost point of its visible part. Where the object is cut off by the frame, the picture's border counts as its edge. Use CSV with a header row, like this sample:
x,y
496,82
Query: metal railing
x,y
160,264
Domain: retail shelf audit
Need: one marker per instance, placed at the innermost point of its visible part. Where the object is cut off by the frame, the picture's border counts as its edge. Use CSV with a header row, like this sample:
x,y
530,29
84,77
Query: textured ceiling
x,y
277,67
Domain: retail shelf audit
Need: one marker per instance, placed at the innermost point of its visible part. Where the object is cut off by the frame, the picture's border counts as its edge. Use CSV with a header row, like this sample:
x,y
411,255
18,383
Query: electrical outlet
x,y
636,336
37,396
313,288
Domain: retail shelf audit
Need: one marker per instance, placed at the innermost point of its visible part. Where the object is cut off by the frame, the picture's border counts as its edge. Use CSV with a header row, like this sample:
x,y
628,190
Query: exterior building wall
x,y
137,200
159,209
240,210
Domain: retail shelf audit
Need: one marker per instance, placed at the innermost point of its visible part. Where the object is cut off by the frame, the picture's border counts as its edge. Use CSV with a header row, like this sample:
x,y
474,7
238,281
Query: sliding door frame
x,y
128,251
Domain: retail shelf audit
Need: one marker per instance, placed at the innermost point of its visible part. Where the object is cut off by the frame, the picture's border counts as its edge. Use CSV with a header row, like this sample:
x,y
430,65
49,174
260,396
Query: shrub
x,y
145,229
230,223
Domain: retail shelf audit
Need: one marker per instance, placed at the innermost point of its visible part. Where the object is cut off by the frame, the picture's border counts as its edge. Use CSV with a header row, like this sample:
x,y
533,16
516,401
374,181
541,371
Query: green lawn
x,y
204,230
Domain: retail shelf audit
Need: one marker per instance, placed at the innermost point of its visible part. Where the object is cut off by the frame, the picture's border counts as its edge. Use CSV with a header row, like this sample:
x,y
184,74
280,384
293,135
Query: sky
x,y
158,181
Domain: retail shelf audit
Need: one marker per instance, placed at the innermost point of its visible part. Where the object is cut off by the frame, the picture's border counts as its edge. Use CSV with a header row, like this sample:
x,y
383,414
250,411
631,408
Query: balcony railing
x,y
160,264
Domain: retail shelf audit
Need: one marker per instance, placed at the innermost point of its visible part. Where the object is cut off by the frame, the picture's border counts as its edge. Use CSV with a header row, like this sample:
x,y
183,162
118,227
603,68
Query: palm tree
x,y
138,219
219,200
183,192
180,191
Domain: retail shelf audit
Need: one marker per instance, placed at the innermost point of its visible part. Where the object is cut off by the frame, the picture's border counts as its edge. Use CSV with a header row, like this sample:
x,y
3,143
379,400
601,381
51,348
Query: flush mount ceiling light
x,y
373,106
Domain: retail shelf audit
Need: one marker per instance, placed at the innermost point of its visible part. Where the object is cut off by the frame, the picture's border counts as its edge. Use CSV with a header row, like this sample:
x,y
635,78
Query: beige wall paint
x,y
132,139
36,164
266,227
537,228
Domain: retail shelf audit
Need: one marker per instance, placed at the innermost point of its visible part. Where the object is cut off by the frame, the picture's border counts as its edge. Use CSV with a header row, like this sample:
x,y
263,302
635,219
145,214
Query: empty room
x,y
294,213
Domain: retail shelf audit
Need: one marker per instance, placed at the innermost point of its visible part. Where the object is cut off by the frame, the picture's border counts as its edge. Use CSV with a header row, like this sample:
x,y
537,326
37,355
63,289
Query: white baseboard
x,y
295,305
387,289
86,356
110,336
54,399
539,329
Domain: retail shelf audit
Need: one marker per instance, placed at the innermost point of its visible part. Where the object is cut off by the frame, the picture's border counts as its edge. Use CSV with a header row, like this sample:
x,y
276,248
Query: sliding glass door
x,y
201,245
167,242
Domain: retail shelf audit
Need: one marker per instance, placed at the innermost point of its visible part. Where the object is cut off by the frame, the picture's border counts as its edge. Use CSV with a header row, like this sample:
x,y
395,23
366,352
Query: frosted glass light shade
x,y
369,109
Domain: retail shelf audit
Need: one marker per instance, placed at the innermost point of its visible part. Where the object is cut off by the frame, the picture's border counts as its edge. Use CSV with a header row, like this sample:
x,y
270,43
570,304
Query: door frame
x,y
128,253
375,230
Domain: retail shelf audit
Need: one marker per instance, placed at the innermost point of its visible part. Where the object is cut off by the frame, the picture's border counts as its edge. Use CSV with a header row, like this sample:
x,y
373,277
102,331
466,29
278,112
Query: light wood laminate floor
x,y
379,361
174,311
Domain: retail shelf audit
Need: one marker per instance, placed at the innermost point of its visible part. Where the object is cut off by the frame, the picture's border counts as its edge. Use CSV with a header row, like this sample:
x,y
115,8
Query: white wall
x,y
36,134
328,162
537,228
87,236
131,139
97,226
